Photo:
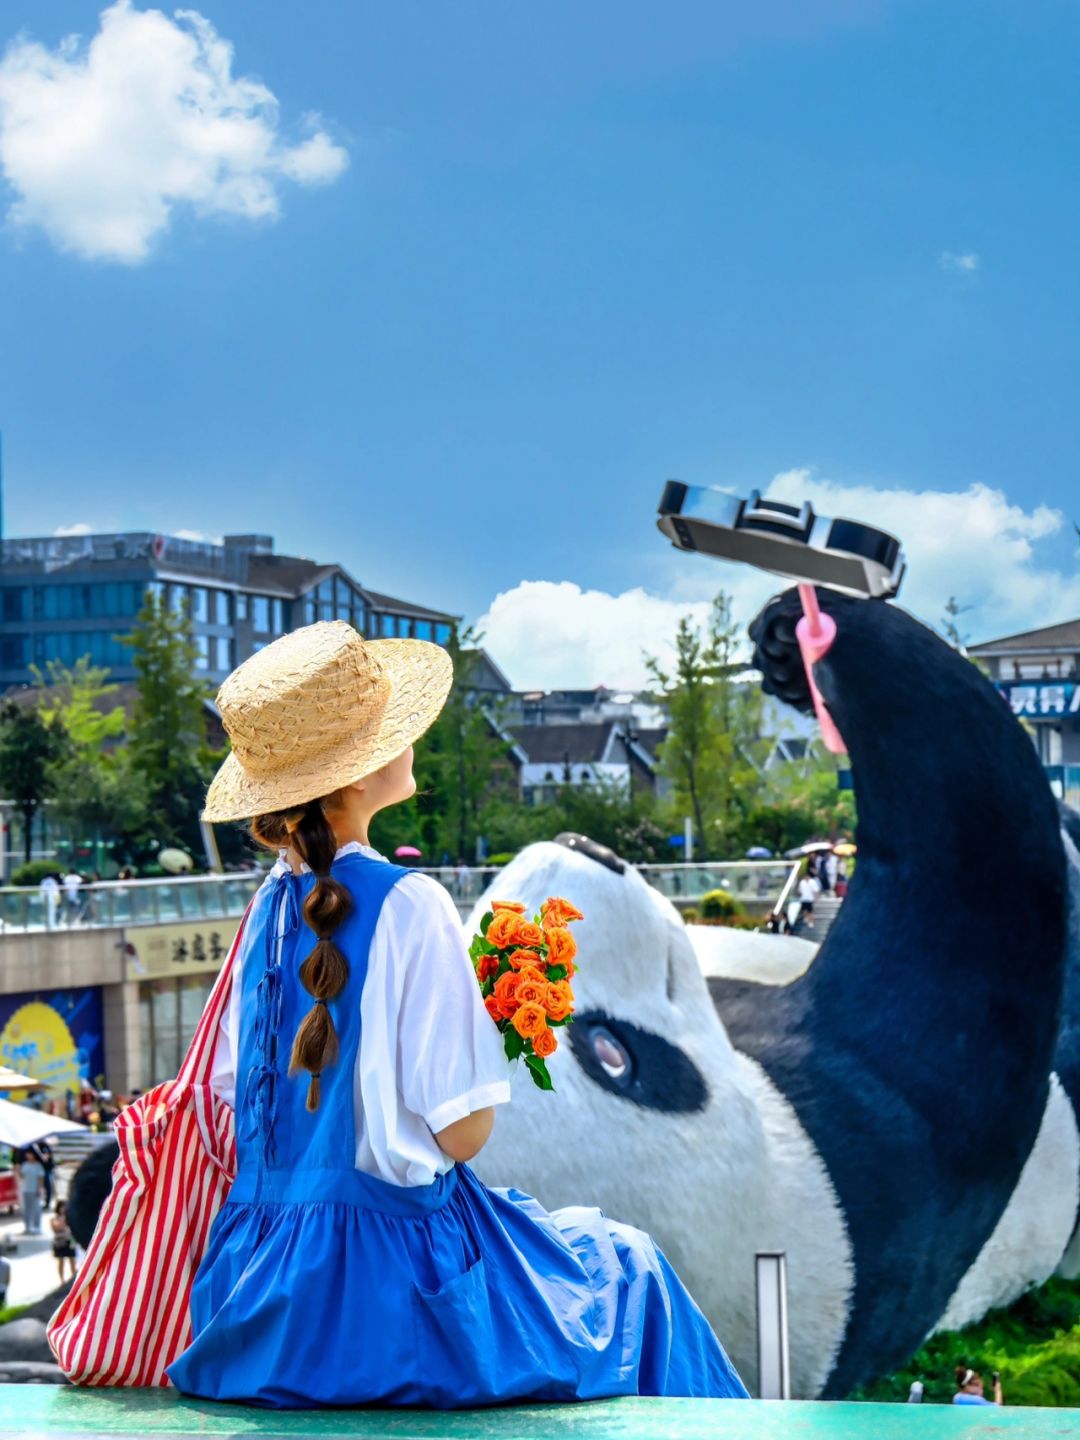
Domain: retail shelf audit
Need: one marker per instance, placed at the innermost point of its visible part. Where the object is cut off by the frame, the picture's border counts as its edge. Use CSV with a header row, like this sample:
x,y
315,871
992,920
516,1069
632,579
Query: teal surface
x,y
57,1411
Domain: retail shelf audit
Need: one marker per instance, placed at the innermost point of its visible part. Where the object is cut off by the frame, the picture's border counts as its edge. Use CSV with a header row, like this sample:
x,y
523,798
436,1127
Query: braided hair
x,y
325,972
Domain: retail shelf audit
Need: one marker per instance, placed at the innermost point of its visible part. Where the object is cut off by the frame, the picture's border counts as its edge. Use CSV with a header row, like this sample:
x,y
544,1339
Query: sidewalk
x,y
33,1268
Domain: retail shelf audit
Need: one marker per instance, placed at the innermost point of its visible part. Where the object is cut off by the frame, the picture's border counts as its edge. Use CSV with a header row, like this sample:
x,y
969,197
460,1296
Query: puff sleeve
x,y
451,1060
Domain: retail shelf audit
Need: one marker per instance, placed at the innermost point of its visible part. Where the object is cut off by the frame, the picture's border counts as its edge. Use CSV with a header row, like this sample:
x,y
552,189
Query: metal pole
x,y
688,839
774,1360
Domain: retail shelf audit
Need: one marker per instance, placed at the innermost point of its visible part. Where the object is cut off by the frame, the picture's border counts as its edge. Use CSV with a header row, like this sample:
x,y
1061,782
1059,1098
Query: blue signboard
x,y
54,1035
1042,699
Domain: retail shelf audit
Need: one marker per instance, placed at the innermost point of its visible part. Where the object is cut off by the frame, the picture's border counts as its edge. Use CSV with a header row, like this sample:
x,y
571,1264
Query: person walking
x,y
49,890
31,1175
358,1259
63,1241
72,897
42,1151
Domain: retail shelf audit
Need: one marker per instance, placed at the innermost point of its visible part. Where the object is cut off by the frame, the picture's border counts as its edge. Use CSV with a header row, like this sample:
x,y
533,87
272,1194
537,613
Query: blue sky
x,y
543,256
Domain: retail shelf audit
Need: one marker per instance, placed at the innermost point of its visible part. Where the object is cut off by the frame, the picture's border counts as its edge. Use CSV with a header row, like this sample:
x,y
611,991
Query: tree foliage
x,y
714,749
30,748
167,741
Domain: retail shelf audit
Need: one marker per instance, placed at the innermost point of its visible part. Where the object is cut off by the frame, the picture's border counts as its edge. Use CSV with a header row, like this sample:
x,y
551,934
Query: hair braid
x,y
325,972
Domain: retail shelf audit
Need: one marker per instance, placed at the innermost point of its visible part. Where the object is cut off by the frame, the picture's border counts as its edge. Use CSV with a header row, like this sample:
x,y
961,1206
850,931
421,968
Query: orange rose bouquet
x,y
524,968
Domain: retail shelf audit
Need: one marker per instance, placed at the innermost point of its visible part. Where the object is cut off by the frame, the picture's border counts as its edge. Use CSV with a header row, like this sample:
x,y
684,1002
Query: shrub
x,y
503,858
34,871
719,905
691,915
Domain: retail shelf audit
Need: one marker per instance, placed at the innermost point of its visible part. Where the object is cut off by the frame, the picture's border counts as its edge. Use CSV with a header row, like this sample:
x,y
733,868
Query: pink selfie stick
x,y
815,633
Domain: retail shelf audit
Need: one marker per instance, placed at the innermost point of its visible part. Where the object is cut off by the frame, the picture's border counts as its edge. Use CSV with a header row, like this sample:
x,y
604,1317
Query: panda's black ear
x,y
593,849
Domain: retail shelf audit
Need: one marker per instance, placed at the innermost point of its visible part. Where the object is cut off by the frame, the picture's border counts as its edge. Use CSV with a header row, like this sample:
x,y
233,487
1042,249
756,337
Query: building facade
x,y
64,597
1038,673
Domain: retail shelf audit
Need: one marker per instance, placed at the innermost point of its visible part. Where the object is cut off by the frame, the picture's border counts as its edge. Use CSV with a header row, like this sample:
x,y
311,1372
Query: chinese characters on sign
x,y
1043,699
154,951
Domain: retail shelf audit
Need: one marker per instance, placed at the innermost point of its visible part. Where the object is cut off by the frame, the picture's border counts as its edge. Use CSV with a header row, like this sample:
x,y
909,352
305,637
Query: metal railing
x,y
114,904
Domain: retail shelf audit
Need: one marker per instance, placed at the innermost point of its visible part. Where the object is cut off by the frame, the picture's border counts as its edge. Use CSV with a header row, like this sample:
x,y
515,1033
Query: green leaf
x,y
539,1071
478,947
556,972
565,1021
486,921
513,1043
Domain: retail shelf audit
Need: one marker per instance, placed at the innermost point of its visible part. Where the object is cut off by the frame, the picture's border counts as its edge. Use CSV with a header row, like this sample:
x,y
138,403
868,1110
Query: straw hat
x,y
319,709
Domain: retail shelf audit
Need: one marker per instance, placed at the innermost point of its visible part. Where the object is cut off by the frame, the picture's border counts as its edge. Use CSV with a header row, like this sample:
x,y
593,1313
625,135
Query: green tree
x,y
30,748
167,745
461,761
714,748
98,793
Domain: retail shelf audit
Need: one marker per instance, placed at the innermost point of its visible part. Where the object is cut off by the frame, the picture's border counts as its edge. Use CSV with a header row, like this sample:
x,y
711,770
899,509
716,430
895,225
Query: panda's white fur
x,y
713,1187
1032,1234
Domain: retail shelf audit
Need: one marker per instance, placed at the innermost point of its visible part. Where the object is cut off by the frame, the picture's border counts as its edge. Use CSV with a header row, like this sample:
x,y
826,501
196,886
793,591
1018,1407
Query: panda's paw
x,y
776,652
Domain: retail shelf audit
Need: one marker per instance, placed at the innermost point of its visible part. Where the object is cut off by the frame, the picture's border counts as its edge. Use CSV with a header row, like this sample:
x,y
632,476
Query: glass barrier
x,y
120,903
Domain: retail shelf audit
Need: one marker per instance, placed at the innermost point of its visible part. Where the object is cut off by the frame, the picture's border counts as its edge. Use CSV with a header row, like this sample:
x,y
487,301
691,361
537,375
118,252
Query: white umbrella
x,y
12,1080
21,1126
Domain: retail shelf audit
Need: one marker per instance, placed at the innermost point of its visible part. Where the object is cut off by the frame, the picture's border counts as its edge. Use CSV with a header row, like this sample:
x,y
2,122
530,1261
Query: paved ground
x,y
33,1269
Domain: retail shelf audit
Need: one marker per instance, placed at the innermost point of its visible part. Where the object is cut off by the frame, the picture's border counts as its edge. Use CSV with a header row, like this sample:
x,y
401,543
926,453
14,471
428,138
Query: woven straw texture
x,y
319,709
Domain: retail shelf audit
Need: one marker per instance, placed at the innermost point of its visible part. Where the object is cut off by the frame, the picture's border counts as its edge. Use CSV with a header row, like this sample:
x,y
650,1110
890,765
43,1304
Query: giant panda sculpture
x,y
889,1118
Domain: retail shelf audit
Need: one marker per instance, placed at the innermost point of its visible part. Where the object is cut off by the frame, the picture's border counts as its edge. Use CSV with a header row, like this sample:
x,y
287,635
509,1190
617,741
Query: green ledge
x,y
56,1410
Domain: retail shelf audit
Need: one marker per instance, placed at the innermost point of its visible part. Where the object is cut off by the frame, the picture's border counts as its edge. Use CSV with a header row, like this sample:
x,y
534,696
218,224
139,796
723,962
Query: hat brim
x,y
420,674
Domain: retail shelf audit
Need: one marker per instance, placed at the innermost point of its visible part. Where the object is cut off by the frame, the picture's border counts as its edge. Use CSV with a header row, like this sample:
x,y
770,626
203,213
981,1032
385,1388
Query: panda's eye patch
x,y
636,1064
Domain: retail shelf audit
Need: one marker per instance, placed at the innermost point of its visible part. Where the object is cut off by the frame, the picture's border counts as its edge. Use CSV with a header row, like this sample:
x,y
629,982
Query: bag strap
x,y
198,1065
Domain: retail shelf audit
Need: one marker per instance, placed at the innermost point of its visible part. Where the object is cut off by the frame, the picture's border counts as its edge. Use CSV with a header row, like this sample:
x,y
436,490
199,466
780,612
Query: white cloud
x,y
974,544
963,262
81,528
102,142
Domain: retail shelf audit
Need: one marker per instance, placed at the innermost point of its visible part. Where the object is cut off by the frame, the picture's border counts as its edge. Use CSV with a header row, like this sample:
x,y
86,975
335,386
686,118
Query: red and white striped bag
x,y
127,1316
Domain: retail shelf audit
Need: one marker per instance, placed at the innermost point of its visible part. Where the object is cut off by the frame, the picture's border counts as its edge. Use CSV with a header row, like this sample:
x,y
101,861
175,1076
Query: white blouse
x,y
429,1053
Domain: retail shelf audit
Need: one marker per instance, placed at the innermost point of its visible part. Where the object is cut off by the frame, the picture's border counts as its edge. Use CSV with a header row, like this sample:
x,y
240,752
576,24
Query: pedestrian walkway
x,y
33,1268
826,909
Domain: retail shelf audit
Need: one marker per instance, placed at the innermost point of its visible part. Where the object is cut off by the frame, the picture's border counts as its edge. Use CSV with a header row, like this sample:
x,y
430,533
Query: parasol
x,y
21,1126
407,852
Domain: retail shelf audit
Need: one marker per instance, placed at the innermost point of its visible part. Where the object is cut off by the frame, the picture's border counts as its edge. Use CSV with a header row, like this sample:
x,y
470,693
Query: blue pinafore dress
x,y
324,1285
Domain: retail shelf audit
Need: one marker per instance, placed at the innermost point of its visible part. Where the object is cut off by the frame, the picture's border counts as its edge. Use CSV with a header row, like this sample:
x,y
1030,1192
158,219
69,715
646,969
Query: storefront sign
x,y
191,948
54,1035
1042,699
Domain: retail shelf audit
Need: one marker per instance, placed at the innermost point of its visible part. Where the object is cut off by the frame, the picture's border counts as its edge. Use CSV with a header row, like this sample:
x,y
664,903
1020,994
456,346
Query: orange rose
x,y
520,958
559,1000
491,1005
514,905
562,947
529,1020
486,967
559,912
530,990
524,932
506,994
500,932
532,972
545,1043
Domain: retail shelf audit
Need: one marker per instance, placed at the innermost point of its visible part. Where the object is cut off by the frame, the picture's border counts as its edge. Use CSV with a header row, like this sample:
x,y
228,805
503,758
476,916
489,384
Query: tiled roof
x,y
404,607
557,744
1066,636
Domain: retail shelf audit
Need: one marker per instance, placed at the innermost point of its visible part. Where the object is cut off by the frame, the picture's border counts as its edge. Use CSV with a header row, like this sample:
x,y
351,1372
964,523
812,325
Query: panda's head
x,y
646,1048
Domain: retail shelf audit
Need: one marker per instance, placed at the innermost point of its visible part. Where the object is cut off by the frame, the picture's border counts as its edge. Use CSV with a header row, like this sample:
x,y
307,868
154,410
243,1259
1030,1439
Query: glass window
x,y
260,613
155,591
13,652
387,625
423,630
277,618
220,611
15,603
241,606
222,653
178,598
404,627
442,634
202,649
309,611
326,592
200,605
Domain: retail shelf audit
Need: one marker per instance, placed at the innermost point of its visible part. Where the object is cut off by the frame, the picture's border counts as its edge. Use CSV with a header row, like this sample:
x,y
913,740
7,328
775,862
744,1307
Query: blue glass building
x,y
63,597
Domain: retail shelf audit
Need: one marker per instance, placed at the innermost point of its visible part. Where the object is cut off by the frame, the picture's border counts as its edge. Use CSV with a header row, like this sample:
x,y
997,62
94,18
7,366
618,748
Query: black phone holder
x,y
788,540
